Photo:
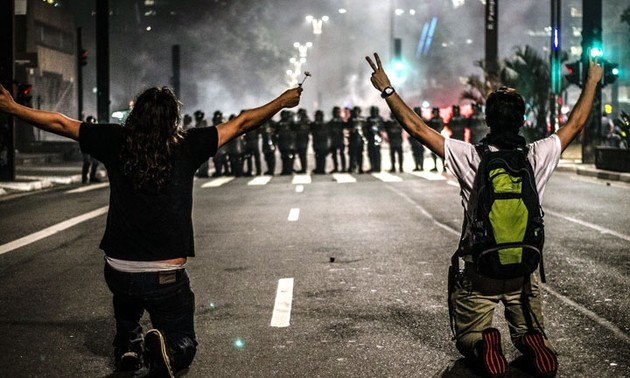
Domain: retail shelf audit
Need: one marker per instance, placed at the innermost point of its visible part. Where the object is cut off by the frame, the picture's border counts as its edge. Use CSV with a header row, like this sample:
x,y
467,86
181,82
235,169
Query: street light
x,y
317,23
302,48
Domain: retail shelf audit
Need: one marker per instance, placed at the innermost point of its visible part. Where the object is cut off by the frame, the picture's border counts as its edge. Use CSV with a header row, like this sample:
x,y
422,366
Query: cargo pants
x,y
473,299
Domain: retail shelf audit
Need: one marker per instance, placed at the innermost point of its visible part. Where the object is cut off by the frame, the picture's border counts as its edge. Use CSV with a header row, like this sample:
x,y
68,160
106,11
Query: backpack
x,y
503,226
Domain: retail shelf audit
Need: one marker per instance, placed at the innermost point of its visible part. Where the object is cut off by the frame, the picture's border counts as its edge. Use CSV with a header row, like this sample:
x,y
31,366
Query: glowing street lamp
x,y
302,48
317,23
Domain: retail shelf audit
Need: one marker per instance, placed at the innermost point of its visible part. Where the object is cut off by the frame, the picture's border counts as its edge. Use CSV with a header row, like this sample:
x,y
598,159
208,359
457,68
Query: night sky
x,y
235,54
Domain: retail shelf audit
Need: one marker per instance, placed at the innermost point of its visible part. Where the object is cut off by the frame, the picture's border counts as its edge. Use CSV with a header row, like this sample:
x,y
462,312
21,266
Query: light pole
x,y
302,48
317,24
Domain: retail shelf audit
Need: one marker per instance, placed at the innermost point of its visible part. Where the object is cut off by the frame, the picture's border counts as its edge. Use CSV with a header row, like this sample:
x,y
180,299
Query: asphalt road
x,y
367,261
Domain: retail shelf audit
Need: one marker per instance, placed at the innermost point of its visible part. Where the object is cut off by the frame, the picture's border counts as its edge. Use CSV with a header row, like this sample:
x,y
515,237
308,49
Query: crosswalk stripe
x,y
429,176
301,179
387,177
260,180
344,178
217,182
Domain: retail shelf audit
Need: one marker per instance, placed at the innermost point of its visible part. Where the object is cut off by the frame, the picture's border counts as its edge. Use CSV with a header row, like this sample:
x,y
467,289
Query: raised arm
x,y
410,121
582,109
48,121
252,118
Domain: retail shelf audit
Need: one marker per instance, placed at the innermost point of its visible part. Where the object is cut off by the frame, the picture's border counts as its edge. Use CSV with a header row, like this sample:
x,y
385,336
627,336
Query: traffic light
x,y
574,74
398,63
83,56
611,72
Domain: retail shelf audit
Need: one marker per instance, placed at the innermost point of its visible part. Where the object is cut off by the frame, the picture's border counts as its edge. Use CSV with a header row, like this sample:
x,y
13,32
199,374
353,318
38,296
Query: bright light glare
x,y
342,11
615,71
309,18
399,12
399,66
596,52
148,28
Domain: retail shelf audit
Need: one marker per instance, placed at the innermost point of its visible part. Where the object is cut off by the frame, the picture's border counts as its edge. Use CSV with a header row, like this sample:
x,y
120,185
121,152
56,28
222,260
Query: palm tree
x,y
529,73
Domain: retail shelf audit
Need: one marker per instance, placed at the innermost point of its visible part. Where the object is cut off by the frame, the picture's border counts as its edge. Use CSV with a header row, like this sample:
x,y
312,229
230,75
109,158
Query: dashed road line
x,y
294,215
281,316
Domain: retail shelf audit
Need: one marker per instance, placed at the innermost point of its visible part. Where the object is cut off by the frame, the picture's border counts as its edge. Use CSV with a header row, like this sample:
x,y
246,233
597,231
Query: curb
x,y
589,170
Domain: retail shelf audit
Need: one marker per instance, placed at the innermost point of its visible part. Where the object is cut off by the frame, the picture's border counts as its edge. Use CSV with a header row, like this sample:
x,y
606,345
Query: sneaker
x,y
543,359
157,358
128,361
490,353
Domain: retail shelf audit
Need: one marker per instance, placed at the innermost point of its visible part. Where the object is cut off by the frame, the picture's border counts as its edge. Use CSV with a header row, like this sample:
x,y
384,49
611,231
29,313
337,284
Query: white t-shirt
x,y
462,160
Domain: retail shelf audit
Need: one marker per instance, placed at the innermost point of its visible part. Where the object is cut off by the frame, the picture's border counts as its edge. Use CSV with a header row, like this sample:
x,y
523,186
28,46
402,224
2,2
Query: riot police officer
x,y
336,127
477,125
221,166
457,124
356,140
436,123
269,143
372,132
234,152
302,136
286,141
200,121
252,151
394,135
417,149
321,142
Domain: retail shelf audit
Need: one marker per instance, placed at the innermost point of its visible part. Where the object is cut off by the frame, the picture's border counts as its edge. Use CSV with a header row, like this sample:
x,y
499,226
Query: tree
x,y
529,73
625,16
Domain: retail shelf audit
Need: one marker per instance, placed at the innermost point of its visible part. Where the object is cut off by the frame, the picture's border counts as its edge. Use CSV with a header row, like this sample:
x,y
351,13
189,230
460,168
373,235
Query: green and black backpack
x,y
503,226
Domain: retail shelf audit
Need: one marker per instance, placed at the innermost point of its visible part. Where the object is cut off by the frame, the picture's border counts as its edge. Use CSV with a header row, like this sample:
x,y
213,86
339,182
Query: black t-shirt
x,y
145,225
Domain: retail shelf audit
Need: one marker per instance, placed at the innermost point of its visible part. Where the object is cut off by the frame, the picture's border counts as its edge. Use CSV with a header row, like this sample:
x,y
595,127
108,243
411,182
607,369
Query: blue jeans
x,y
170,302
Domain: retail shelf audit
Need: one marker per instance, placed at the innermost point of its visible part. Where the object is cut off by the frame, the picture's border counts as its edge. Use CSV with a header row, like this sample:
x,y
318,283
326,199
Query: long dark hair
x,y
150,134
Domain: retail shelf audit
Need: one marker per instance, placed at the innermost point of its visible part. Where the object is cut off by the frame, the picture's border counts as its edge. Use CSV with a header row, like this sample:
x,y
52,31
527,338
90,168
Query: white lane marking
x,y
217,182
281,316
301,179
453,183
387,177
294,215
590,314
299,188
260,180
601,229
344,178
424,212
51,230
87,188
429,175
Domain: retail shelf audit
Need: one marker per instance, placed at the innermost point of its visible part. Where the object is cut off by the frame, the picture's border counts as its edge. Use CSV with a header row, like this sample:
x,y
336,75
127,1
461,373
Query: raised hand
x,y
379,78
